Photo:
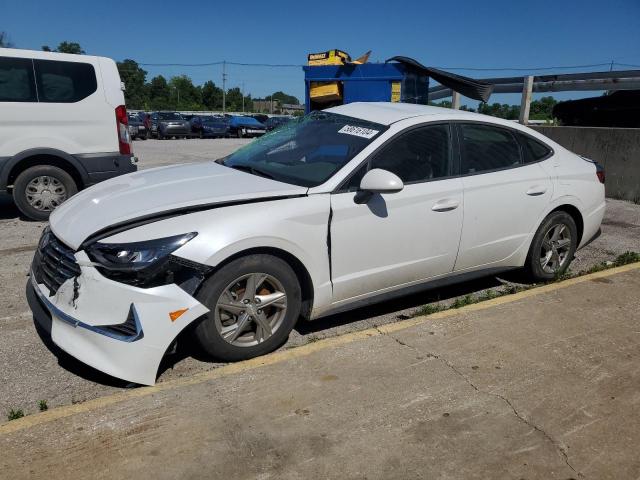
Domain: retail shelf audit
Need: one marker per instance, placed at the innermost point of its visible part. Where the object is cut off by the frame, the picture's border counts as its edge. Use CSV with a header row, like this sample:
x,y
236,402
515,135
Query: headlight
x,y
135,256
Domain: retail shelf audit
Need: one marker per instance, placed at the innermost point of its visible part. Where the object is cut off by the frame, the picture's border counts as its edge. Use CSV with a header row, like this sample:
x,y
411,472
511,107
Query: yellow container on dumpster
x,y
330,57
323,92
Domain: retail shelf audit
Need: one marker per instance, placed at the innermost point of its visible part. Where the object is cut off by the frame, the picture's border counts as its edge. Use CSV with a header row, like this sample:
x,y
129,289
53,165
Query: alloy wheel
x,y
250,309
555,248
44,193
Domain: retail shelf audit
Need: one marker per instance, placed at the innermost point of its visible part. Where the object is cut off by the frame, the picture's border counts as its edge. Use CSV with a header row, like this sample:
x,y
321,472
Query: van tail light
x,y
600,172
122,125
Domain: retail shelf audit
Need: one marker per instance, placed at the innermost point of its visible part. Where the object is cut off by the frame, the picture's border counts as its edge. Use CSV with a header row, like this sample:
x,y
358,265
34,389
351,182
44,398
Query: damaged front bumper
x,y
119,329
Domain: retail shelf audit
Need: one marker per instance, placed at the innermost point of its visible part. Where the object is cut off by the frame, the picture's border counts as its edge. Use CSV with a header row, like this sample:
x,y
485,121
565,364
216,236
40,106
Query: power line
x,y
476,69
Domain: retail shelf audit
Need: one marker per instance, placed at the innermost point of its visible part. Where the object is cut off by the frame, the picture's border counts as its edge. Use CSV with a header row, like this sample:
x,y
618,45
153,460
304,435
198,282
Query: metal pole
x,y
224,86
455,101
525,103
242,97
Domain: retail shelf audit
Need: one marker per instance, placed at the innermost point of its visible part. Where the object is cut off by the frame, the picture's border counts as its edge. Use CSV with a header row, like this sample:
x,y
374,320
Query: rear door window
x,y
64,82
486,148
17,83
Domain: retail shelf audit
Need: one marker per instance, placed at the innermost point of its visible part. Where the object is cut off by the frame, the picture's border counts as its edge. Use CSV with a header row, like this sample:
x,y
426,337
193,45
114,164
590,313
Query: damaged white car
x,y
334,210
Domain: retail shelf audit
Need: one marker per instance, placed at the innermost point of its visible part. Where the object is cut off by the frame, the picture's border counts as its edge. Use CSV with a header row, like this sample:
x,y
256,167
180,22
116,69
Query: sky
x,y
450,34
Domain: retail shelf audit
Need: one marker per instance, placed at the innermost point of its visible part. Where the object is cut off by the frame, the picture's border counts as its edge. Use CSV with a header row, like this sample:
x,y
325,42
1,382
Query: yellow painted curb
x,y
297,352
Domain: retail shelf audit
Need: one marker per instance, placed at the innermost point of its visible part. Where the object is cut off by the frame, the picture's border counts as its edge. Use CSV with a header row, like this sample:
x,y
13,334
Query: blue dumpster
x,y
368,82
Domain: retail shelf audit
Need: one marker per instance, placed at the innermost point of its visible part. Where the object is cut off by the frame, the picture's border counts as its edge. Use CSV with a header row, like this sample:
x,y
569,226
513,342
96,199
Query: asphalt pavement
x,y
538,385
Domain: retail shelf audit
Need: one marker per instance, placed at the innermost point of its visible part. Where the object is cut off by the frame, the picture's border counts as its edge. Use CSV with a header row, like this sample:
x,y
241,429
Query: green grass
x,y
15,414
428,309
42,405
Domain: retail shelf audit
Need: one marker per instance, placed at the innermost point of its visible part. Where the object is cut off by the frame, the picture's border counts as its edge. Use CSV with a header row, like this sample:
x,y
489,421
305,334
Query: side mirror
x,y
377,181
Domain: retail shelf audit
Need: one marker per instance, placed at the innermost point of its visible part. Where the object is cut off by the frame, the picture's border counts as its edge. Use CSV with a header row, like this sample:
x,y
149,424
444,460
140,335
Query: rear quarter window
x,y
532,149
64,82
17,83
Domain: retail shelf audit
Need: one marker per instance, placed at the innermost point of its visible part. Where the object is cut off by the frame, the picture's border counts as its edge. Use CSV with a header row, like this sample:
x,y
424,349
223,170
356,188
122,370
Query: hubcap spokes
x,y
250,309
556,245
45,193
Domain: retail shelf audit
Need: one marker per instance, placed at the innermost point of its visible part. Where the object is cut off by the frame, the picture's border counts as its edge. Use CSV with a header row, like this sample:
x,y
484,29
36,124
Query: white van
x,y
63,127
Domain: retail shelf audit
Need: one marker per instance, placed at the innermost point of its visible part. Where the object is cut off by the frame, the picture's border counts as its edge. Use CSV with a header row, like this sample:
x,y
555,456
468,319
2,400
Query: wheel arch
x,y
42,156
575,213
299,268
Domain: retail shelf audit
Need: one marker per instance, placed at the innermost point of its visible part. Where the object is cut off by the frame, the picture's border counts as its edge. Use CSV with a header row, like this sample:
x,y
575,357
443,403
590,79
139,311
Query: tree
x,y
211,96
136,93
542,109
184,95
4,40
159,93
282,97
66,47
234,100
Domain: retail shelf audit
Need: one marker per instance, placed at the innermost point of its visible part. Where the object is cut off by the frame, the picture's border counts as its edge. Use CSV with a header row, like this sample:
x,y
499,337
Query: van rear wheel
x,y
39,190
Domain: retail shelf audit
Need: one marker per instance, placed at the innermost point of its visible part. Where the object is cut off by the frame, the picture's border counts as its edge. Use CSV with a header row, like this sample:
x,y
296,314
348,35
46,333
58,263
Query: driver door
x,y
400,238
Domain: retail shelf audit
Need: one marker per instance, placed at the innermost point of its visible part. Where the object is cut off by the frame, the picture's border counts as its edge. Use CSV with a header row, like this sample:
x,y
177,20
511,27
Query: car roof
x,y
387,113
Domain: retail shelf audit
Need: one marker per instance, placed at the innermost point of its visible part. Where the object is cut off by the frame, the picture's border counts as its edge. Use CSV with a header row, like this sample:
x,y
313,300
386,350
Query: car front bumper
x,y
81,315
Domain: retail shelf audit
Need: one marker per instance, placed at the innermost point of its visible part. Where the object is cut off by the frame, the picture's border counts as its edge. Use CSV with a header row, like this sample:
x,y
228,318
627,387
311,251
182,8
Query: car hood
x,y
157,191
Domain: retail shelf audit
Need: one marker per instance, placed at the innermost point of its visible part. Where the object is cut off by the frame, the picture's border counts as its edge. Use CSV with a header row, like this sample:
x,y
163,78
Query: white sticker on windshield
x,y
358,131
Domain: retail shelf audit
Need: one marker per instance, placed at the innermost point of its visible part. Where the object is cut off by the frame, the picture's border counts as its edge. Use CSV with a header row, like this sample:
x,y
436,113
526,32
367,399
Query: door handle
x,y
445,205
537,190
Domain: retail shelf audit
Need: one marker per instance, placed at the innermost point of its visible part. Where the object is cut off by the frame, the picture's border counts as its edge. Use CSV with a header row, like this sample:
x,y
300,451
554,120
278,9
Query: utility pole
x,y
242,97
224,86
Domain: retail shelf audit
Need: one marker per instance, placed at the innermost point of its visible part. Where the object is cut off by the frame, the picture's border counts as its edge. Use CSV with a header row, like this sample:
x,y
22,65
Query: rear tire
x,y
39,190
237,307
552,248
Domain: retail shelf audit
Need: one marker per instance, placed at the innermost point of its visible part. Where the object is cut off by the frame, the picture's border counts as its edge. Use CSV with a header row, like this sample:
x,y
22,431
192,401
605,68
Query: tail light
x,y
122,125
600,172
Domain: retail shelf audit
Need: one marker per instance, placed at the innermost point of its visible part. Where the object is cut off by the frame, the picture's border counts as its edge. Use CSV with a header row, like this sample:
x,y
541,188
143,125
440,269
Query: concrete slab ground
x,y
541,384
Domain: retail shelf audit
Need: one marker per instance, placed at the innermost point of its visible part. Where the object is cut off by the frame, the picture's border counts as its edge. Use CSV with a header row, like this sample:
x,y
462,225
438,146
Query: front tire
x,y
39,190
254,303
553,247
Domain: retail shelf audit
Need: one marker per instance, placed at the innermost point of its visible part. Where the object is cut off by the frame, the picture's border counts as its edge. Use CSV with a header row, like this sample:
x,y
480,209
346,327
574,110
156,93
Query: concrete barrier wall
x,y
616,149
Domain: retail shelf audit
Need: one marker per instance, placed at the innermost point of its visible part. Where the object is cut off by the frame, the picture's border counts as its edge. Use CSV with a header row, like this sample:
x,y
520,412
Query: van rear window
x,y
16,80
64,82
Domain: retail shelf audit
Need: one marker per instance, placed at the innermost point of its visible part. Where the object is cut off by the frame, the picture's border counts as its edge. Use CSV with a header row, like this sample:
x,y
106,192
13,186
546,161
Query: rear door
x,y
504,196
401,238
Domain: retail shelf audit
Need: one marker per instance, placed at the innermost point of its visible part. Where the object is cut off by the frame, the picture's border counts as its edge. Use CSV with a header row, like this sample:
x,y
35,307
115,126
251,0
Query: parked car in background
x,y
196,122
146,121
343,208
172,124
245,127
261,117
136,127
214,127
64,127
274,122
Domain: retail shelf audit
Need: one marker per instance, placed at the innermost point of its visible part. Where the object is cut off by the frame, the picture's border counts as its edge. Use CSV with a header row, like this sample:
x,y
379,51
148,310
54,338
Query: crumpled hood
x,y
158,190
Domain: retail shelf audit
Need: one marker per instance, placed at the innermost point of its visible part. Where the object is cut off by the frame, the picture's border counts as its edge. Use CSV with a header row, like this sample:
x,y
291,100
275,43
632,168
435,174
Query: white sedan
x,y
340,208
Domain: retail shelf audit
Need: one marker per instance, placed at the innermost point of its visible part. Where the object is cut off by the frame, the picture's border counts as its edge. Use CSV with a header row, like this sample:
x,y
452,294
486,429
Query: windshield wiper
x,y
252,170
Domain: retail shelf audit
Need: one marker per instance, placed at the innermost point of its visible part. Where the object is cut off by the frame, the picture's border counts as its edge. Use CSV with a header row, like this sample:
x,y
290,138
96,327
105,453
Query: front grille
x,y
54,262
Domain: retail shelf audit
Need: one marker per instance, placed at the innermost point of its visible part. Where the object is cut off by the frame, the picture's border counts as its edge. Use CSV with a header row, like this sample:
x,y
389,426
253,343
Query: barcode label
x,y
358,131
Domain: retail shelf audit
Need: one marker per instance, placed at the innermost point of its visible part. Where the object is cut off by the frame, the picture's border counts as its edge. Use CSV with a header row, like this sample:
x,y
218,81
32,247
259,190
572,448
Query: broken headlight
x,y
135,256
149,264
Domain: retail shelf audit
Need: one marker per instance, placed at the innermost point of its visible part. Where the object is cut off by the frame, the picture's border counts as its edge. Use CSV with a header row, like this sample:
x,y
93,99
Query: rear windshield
x,y
306,151
169,116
